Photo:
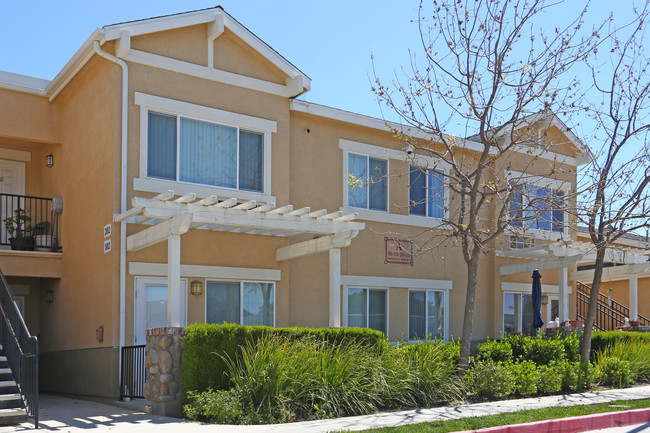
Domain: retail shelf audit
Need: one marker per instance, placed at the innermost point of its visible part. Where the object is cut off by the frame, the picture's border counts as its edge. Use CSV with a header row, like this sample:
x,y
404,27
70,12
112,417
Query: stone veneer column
x,y
163,359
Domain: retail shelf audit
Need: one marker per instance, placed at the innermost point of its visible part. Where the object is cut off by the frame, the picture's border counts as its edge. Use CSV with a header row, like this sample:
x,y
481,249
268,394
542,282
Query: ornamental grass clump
x,y
635,352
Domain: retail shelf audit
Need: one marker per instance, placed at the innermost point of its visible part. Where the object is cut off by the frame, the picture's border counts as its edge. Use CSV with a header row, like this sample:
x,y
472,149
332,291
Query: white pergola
x,y
562,255
169,217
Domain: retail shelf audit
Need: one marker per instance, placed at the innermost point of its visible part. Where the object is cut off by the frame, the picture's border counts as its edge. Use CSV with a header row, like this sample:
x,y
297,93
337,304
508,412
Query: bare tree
x,y
485,71
616,202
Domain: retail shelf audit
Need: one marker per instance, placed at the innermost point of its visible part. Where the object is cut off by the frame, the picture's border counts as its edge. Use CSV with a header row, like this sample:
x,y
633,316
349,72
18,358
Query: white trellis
x,y
168,217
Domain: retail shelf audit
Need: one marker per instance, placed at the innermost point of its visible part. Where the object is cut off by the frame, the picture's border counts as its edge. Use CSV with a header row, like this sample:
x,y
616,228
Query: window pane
x,y
527,315
208,153
161,146
511,308
258,304
378,199
516,204
377,310
156,301
251,157
357,180
222,302
555,309
436,194
417,315
357,303
417,191
558,214
435,314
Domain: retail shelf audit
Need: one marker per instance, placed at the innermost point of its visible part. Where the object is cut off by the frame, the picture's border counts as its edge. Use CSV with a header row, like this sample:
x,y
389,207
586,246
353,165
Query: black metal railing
x,y
21,350
29,223
610,314
133,372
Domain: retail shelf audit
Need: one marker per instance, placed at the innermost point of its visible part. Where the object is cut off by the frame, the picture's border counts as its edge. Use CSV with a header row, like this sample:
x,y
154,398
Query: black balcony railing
x,y
609,314
21,350
133,372
30,223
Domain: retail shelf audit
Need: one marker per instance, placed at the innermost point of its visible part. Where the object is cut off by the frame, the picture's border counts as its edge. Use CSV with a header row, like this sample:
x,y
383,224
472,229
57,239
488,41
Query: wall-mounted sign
x,y
107,246
398,251
107,230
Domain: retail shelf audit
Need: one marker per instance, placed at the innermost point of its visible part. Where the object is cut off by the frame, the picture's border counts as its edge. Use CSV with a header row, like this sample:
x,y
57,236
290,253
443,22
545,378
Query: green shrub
x,y
601,340
635,352
525,378
489,380
571,342
220,407
542,351
550,378
206,346
613,371
495,350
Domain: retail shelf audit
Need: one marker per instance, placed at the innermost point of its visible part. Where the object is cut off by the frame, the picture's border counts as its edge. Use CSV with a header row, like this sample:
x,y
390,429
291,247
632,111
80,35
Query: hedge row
x,y
602,340
206,347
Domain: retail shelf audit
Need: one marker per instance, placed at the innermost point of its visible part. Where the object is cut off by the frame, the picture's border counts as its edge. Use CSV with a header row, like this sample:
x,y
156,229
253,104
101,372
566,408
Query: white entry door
x,y
552,308
151,306
12,181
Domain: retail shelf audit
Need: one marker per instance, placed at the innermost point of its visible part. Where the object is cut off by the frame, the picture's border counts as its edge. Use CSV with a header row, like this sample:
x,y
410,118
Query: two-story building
x,y
177,178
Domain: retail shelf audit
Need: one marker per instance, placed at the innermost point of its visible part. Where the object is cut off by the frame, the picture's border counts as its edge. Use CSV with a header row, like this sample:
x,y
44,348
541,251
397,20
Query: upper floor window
x,y
537,207
426,192
189,150
367,182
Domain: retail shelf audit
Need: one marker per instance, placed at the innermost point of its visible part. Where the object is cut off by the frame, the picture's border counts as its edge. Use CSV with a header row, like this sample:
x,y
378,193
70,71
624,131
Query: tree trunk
x,y
470,301
585,346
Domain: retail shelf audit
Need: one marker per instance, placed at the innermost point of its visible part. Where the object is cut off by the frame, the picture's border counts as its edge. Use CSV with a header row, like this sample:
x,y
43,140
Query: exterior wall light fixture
x,y
544,299
196,287
49,296
49,161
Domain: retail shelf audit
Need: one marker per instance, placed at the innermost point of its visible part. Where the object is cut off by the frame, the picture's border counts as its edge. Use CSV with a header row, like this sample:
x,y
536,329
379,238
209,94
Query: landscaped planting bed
x,y
244,375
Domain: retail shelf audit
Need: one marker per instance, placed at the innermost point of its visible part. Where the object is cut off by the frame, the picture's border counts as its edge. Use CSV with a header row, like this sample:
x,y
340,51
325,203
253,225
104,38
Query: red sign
x,y
398,251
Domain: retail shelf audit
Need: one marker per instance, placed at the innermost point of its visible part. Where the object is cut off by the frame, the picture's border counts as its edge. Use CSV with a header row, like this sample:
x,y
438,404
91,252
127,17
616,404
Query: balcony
x,y
30,223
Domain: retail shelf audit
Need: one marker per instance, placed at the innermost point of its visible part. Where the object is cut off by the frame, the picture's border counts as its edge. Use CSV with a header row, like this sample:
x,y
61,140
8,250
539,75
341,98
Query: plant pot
x,y
45,243
576,323
635,323
23,244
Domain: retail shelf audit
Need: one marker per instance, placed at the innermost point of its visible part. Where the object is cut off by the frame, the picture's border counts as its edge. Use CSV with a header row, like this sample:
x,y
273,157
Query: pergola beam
x,y
539,265
158,233
613,272
315,246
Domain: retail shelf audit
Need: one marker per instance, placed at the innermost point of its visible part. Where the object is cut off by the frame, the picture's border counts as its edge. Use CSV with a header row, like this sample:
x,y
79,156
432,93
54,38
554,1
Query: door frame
x,y
139,304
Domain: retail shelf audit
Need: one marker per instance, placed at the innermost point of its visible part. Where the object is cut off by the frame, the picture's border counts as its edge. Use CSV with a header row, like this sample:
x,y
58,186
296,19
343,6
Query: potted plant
x,y
19,230
42,240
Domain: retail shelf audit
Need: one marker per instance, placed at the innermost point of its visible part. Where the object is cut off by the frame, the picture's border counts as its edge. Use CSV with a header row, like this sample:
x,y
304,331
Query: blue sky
x,y
332,42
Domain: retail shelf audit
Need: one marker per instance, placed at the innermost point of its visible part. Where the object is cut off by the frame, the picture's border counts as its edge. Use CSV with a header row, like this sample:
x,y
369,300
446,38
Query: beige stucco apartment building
x,y
262,226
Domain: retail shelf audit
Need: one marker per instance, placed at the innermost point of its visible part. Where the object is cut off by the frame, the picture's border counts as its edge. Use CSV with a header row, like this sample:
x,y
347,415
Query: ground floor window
x,y
367,308
242,302
517,313
426,314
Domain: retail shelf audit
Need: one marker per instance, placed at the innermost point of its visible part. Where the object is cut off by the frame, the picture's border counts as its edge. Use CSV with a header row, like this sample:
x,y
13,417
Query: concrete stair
x,y
12,409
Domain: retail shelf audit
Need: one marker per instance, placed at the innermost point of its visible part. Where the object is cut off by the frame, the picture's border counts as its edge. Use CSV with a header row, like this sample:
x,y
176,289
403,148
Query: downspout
x,y
123,182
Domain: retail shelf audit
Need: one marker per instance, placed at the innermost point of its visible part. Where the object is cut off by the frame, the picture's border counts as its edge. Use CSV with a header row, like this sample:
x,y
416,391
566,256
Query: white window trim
x,y
212,272
173,107
386,290
375,151
345,183
241,297
544,182
445,336
521,310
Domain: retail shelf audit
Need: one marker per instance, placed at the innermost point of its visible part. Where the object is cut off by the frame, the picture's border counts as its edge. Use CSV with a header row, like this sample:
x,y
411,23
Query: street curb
x,y
574,424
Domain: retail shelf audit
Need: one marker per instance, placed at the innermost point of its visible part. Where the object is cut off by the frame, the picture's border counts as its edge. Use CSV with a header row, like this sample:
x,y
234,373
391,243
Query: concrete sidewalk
x,y
62,414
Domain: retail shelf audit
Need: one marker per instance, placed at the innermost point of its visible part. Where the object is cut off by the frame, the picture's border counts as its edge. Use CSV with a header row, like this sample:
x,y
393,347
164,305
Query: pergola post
x,y
335,288
174,280
634,296
563,283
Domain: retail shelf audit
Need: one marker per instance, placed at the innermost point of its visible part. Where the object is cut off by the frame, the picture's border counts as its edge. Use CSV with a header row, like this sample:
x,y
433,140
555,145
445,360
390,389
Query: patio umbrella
x,y
537,300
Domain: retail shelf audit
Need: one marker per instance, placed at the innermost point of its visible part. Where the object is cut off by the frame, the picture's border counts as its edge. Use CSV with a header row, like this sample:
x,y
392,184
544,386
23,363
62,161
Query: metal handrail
x,y
29,222
21,350
610,314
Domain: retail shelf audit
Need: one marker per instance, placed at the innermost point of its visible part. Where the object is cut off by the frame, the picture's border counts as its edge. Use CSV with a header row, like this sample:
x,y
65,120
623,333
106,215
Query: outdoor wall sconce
x,y
196,287
49,161
49,296
544,299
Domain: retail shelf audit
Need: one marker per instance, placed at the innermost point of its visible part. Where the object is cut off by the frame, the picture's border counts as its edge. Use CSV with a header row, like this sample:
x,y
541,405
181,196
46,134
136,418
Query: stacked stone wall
x,y
163,359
